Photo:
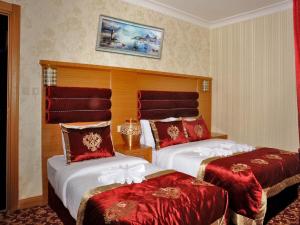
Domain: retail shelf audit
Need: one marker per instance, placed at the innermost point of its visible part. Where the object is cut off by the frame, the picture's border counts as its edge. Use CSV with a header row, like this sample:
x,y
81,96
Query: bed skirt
x,y
56,204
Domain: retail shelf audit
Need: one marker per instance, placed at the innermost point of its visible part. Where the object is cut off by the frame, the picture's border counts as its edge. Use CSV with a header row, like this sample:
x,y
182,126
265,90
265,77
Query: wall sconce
x,y
205,85
49,76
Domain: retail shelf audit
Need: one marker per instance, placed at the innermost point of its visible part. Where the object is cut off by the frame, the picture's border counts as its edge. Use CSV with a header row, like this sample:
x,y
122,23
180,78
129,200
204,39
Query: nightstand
x,y
141,151
218,135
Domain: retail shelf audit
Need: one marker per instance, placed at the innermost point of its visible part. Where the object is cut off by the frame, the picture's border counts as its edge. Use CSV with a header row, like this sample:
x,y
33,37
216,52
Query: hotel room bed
x,y
181,141
166,197
249,175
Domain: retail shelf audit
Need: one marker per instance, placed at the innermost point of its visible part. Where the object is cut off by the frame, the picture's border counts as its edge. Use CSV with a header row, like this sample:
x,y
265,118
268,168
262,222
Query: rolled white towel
x,y
110,176
211,152
226,145
132,174
140,168
215,152
135,174
241,148
221,152
121,179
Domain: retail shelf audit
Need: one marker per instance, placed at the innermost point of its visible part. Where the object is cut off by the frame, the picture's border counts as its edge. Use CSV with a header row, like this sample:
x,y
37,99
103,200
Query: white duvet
x,y
70,182
186,158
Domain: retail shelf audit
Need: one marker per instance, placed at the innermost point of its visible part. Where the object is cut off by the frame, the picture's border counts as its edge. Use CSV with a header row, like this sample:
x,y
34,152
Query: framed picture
x,y
119,36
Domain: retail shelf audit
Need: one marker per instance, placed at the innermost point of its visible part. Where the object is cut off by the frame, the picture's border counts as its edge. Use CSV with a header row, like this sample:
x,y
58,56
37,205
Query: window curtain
x,y
296,10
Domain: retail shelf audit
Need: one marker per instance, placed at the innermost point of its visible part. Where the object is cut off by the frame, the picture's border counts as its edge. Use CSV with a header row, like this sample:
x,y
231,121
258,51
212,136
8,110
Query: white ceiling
x,y
214,12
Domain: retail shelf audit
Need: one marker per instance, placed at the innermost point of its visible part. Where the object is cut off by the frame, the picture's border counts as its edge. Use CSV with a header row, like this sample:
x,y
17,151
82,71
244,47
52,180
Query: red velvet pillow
x,y
87,142
168,133
196,130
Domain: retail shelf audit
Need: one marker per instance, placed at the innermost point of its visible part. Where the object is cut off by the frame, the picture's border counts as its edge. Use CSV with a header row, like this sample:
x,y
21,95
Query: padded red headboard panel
x,y
164,104
76,104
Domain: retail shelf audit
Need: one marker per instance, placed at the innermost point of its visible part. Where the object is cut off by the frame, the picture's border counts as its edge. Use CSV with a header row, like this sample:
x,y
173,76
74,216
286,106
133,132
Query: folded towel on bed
x,y
223,149
132,174
241,148
211,152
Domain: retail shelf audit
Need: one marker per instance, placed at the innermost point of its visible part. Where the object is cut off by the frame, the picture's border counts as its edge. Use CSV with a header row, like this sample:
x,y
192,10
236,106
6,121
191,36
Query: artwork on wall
x,y
119,36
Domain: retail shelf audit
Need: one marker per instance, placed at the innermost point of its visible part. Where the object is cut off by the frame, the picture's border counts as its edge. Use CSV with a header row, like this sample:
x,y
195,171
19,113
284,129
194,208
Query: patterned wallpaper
x,y
252,64
65,30
254,89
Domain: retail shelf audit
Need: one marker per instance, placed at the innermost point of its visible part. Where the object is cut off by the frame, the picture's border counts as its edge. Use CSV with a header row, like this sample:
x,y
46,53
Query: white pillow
x,y
79,126
147,136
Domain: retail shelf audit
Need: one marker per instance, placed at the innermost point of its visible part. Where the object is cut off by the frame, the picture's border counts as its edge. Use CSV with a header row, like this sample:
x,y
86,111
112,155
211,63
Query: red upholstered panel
x,y
164,104
170,95
77,116
156,114
78,92
167,104
76,104
63,104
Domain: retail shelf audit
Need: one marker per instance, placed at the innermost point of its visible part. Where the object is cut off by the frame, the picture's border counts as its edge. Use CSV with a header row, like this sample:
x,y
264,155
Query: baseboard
x,y
30,202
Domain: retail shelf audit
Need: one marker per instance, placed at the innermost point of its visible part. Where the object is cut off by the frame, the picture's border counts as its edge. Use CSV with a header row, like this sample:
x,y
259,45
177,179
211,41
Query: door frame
x,y
13,69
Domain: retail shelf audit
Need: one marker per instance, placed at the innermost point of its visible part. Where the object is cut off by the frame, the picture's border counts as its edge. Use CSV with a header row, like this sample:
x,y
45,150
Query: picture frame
x,y
121,36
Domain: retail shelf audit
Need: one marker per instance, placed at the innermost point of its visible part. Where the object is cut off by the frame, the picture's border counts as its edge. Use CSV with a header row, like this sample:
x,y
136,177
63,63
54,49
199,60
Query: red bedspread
x,y
172,198
251,177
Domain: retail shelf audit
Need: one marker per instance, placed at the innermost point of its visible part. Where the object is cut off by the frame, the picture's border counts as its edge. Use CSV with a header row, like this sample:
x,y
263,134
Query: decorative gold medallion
x,y
239,167
119,210
273,156
198,130
259,161
198,182
173,132
168,192
92,141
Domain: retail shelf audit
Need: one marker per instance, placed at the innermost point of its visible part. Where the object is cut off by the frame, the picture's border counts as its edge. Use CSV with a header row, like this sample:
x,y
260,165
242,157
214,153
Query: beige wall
x,y
254,90
66,30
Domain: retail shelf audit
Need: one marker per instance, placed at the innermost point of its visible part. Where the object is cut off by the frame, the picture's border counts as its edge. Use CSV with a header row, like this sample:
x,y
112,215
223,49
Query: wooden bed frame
x,y
125,84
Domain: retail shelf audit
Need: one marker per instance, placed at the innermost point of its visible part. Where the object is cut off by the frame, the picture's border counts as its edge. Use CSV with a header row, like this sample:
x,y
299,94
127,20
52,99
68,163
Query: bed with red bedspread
x,y
251,178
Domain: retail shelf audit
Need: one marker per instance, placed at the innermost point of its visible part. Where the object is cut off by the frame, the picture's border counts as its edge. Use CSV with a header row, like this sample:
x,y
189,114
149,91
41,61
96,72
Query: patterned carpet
x,y
43,215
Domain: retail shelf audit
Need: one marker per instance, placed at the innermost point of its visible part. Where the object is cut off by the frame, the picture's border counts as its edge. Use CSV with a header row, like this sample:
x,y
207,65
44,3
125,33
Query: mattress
x,y
71,182
187,157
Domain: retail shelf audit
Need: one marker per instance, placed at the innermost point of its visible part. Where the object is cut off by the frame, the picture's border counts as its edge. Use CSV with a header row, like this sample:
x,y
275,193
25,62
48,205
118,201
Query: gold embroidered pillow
x,y
84,143
196,129
168,133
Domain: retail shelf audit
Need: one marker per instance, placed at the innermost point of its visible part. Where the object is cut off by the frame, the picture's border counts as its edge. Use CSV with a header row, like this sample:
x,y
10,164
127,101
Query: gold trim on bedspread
x,y
220,221
204,163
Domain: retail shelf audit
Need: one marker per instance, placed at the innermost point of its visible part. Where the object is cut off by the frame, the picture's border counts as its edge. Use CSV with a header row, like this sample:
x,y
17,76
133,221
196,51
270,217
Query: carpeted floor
x,y
43,215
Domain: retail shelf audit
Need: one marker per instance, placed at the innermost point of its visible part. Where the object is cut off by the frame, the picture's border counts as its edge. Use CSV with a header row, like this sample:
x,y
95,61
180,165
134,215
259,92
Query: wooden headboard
x,y
125,84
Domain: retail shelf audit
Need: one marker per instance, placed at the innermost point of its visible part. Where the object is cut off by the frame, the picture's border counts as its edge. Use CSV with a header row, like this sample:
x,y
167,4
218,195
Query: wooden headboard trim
x,y
57,64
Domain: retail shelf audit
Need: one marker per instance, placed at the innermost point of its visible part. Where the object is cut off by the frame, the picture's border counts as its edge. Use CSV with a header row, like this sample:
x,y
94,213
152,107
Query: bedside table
x,y
218,135
141,151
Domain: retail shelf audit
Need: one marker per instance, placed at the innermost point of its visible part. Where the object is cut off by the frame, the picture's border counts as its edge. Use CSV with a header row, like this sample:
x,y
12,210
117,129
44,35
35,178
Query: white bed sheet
x,y
187,157
70,182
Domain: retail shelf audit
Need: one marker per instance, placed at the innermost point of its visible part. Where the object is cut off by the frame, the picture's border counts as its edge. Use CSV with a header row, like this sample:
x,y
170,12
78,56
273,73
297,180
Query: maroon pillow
x,y
168,133
196,130
87,142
